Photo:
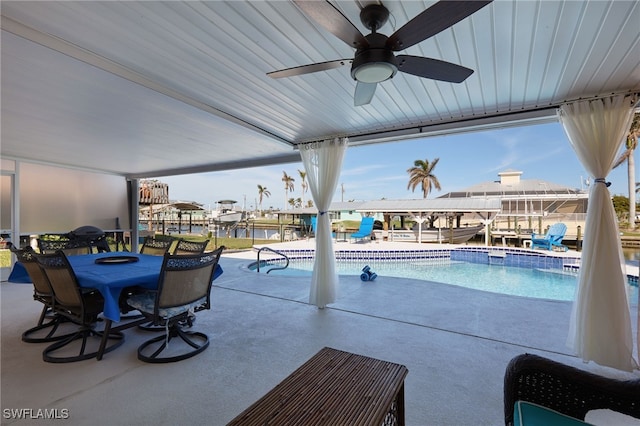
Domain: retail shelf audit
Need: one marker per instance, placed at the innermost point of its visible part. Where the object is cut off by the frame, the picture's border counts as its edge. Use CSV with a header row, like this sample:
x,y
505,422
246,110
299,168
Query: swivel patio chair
x,y
69,247
542,388
156,246
553,238
366,228
79,305
49,321
184,286
182,248
190,247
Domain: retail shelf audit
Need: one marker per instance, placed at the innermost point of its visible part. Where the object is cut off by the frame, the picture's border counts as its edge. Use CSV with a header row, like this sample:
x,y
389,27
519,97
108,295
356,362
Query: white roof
x,y
339,206
436,205
525,188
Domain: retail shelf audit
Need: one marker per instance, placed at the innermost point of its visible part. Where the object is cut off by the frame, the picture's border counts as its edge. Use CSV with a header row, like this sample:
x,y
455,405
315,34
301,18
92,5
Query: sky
x,y
377,171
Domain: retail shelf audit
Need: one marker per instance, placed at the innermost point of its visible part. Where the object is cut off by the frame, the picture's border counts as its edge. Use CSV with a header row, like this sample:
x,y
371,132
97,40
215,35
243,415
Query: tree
x,y
294,202
422,174
303,183
628,156
262,192
620,205
288,186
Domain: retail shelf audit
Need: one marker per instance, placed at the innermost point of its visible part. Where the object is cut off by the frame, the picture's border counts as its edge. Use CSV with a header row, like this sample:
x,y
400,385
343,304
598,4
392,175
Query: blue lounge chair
x,y
553,238
366,228
314,224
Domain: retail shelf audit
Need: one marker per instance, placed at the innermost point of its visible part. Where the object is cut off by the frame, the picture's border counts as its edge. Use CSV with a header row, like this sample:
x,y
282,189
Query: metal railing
x,y
272,251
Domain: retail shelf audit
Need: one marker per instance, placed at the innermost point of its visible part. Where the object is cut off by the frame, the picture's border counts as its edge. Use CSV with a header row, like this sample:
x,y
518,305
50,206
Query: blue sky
x,y
379,171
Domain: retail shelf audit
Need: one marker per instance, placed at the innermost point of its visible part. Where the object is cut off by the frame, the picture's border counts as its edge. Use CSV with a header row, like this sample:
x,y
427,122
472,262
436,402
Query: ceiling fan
x,y
374,60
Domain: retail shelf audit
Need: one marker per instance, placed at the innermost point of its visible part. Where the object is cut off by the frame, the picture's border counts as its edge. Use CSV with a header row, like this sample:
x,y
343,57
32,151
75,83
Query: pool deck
x,y
455,342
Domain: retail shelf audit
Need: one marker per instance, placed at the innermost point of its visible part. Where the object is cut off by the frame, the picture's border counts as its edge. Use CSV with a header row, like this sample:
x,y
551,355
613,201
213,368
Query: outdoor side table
x,y
333,388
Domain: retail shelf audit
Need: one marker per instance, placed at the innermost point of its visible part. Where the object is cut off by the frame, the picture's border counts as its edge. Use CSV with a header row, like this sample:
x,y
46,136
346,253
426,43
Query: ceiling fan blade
x,y
437,18
433,68
331,19
364,93
308,69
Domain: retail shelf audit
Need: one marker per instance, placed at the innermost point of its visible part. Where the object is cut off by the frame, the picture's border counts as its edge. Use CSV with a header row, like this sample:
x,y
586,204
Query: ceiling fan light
x,y
374,72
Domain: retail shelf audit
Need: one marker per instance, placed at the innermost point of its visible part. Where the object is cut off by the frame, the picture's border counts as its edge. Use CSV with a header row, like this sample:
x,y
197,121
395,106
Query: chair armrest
x,y
566,389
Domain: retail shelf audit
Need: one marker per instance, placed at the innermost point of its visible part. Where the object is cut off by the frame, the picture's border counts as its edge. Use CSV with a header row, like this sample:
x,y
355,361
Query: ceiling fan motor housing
x,y
375,63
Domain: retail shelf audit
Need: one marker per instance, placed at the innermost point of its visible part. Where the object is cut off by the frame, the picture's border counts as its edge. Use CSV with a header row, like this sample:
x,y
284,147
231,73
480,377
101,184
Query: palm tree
x,y
262,192
288,186
303,184
628,155
422,174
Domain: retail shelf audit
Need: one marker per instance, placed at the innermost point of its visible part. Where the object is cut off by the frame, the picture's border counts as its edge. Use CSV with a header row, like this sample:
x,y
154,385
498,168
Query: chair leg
x,y
29,336
198,341
84,334
34,335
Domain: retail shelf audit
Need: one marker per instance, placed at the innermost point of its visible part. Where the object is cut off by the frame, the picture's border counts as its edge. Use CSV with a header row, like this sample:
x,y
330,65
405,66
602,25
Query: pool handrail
x,y
273,251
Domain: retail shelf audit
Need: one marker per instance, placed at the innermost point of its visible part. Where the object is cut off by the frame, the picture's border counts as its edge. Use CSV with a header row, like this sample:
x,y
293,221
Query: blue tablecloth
x,y
109,279
19,275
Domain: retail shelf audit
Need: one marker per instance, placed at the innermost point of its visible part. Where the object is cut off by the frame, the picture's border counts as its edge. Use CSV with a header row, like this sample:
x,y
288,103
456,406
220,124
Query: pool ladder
x,y
272,251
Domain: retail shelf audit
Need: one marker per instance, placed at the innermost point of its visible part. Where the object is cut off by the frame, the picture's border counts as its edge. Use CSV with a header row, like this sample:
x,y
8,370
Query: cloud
x,y
363,170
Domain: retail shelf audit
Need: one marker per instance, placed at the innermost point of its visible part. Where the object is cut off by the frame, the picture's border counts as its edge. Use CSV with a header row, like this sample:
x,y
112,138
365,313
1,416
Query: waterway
x,y
631,254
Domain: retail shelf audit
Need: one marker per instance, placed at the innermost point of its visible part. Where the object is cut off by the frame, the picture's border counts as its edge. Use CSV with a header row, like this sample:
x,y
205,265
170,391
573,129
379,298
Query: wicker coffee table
x,y
333,388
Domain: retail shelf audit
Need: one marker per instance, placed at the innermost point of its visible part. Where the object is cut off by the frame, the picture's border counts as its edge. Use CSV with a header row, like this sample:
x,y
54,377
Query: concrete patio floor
x,y
455,342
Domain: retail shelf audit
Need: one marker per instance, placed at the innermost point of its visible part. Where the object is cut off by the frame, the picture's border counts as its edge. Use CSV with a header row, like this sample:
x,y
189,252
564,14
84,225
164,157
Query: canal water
x,y
631,254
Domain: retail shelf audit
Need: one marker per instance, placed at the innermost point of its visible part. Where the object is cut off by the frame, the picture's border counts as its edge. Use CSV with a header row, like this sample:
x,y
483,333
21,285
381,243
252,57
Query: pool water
x,y
536,283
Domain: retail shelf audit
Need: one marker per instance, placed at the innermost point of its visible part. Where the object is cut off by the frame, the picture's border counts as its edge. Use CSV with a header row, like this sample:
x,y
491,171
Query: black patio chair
x,y
79,305
184,286
156,246
69,247
190,247
565,389
49,321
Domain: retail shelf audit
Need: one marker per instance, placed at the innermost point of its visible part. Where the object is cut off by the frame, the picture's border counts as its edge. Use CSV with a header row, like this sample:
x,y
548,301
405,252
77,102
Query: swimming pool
x,y
555,284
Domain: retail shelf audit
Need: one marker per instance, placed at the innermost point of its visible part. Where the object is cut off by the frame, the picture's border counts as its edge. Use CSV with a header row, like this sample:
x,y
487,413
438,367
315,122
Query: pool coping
x,y
393,251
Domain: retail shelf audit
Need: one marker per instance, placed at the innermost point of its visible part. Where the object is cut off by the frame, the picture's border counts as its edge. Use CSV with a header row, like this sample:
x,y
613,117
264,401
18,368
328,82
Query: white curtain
x,y
323,162
600,328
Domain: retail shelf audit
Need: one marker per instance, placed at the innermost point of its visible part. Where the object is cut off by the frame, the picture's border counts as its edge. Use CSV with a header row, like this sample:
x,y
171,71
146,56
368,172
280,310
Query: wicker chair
x,y
184,286
49,321
81,306
190,247
565,389
156,246
69,247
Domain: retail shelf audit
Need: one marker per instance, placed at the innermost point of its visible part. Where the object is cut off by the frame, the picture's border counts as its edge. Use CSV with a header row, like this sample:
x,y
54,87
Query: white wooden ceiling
x,y
152,88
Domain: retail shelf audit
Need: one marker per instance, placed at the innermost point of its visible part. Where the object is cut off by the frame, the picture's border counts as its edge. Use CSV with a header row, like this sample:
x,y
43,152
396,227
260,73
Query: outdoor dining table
x,y
110,277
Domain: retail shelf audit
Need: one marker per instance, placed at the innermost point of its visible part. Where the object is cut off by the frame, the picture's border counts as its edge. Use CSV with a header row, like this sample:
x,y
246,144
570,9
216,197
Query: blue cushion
x,y
529,414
